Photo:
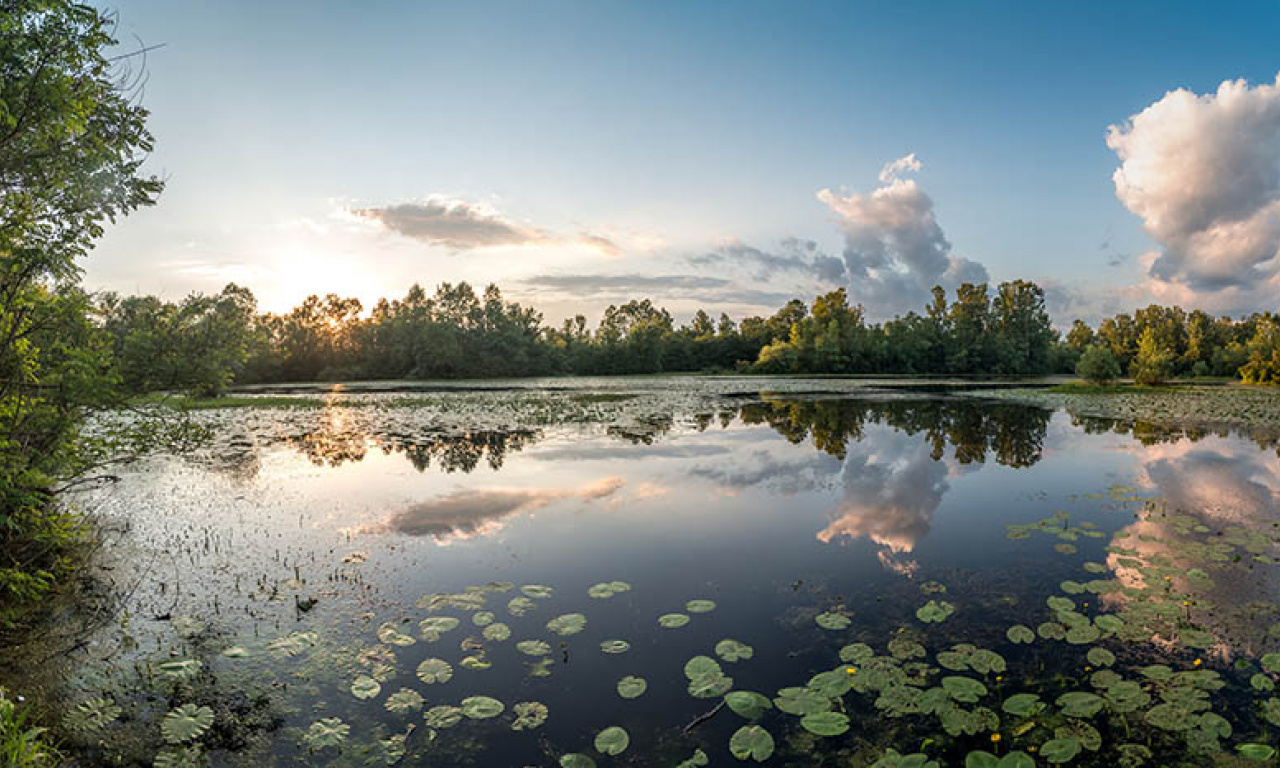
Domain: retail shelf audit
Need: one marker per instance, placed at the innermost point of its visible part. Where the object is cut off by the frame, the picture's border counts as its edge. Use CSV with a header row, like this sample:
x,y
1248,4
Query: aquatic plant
x,y
186,723
612,741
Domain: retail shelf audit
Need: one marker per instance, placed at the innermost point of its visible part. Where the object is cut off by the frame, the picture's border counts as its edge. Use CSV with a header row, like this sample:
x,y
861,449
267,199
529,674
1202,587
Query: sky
x,y
720,155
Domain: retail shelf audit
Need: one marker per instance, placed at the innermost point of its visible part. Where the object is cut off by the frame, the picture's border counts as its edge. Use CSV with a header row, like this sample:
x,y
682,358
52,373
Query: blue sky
x,y
670,130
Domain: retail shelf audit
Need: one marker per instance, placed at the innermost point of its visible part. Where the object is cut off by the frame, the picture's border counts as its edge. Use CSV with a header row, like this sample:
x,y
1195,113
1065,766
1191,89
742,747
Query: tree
x,y
1263,364
1098,366
1153,363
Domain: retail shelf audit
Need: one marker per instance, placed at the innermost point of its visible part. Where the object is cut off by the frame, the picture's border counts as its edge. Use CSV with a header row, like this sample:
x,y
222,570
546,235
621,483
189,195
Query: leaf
x,y
964,689
1060,750
404,700
576,760
185,723
1100,657
701,666
1256,751
568,624
180,669
481,707
1017,760
801,701
612,741
748,704
365,687
751,741
529,715
935,611
615,646
700,606
981,759
537,591
632,687
533,647
1080,704
390,634
1020,634
435,671
672,620
91,715
698,760
1023,704
832,620
327,732
443,716
497,632
825,723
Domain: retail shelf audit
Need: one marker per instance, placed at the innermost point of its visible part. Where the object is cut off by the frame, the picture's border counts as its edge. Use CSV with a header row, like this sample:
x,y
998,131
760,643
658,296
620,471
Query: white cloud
x,y
895,250
1203,174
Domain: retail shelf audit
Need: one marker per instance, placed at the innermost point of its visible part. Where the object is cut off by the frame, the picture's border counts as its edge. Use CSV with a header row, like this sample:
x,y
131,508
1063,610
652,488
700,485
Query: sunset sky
x,y
727,156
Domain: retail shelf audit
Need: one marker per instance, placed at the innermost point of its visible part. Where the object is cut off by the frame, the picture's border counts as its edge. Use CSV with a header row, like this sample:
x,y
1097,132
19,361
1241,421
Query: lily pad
x,y
700,666
607,589
537,591
185,723
1256,751
477,662
91,715
390,634
326,732
533,647
832,620
497,632
801,701
935,611
529,715
365,687
825,723
1080,704
615,646
443,716
751,742
435,671
1023,704
519,606
632,687
612,741
1100,657
568,624
483,618
964,689
576,760
404,700
700,606
481,707
1060,750
673,620
748,704
1020,634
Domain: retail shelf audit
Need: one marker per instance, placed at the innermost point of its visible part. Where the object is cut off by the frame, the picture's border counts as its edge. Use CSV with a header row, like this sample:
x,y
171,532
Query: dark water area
x,y
281,577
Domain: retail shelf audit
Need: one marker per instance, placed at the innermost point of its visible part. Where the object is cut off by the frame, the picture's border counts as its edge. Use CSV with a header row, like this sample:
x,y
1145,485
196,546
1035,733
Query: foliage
x,y
1153,363
22,744
1098,365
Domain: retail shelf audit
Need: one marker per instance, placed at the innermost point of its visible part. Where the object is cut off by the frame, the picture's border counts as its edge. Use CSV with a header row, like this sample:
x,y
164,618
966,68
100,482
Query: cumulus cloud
x,y
795,255
1203,174
464,226
894,249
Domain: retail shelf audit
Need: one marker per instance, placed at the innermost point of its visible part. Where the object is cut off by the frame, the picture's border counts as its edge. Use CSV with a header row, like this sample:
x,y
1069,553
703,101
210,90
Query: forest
x,y
203,343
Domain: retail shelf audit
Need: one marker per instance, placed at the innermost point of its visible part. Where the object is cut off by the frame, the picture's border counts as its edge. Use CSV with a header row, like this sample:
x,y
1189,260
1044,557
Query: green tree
x,y
1098,366
1153,363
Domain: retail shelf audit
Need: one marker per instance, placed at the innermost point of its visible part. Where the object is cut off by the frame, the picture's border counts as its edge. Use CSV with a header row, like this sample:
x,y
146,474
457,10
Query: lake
x,y
681,572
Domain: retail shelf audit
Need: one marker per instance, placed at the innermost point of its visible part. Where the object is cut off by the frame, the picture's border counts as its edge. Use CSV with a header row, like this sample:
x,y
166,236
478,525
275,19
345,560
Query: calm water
x,y
782,509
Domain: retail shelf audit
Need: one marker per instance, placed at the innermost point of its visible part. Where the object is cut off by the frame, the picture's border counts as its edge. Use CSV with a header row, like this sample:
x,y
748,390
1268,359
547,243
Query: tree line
x,y
203,343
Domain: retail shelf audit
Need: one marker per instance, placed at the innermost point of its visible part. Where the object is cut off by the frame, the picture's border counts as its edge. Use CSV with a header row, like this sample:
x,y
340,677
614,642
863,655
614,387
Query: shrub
x,y
1098,366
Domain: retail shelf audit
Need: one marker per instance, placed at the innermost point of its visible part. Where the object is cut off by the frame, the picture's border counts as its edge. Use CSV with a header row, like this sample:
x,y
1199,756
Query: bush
x,y
1098,366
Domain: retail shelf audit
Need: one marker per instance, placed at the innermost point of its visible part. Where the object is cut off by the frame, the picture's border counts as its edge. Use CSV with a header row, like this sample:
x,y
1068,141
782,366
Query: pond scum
x,y
1075,683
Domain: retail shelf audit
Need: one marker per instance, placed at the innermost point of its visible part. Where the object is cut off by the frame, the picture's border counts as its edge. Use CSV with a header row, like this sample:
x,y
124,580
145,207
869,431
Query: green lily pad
x,y
697,760
533,647
607,589
483,618
519,606
935,611
1080,704
1017,760
856,653
833,683
497,632
390,634
529,715
980,759
481,707
478,662
1100,657
430,629
1060,750
365,687
825,723
443,716
751,742
1020,634
1256,751
537,591
710,686
632,687
326,732
615,646
700,666
404,700
801,701
181,757
673,620
91,715
1023,704
832,620
576,760
612,741
568,624
700,606
435,671
732,650
185,723
748,704
964,689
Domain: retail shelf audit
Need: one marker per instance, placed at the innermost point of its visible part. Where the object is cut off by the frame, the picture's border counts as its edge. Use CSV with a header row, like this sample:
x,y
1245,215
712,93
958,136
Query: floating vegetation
x,y
519,606
935,611
91,715
615,646
529,715
533,647
568,624
403,701
180,669
673,620
443,716
497,632
607,589
186,723
751,742
700,606
833,620
326,732
365,687
748,704
612,741
435,671
537,591
732,650
632,687
576,760
390,634
481,707
293,644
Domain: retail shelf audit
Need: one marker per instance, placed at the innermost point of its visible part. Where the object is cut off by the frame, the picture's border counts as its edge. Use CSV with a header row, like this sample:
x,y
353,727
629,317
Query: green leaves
x,y
825,723
748,704
612,741
832,620
700,606
615,646
935,611
326,732
607,589
1020,634
185,723
1080,704
365,687
1060,750
672,620
533,647
632,687
1023,704
801,701
963,689
568,624
732,650
751,742
529,715
435,671
481,707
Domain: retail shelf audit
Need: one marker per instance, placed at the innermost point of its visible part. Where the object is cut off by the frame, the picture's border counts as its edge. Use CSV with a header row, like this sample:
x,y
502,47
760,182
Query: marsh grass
x,y
22,743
